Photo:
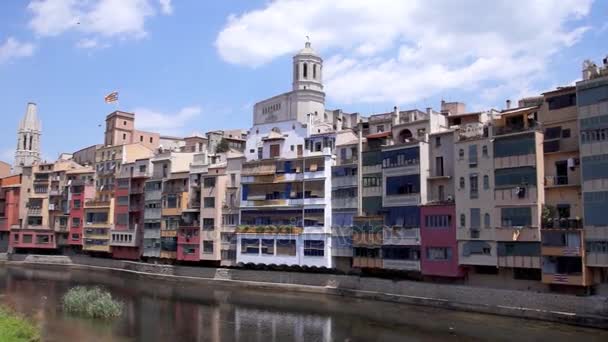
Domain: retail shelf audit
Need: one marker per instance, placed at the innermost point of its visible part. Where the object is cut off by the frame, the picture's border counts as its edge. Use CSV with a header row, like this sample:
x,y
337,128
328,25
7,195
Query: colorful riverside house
x,y
285,209
518,192
592,102
344,197
44,224
10,198
166,198
562,235
81,188
126,237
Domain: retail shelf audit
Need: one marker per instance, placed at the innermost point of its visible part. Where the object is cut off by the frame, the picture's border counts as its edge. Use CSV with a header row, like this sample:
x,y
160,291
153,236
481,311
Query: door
x,y
561,172
439,166
275,150
300,151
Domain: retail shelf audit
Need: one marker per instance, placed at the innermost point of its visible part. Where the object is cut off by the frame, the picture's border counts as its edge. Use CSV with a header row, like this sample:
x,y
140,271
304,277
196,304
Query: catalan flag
x,y
111,97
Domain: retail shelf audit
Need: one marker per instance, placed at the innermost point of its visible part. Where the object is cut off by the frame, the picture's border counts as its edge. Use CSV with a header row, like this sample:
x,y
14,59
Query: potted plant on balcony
x,y
547,216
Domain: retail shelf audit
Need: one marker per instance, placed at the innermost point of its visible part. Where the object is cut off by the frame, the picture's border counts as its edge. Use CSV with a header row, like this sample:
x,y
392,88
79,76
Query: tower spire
x,y
28,139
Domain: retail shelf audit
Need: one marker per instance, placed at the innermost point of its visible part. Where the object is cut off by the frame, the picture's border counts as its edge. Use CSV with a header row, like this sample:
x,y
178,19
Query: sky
x,y
185,66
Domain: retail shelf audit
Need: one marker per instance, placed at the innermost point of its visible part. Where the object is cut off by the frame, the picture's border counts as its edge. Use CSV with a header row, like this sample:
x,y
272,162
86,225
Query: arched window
x,y
305,73
460,154
25,142
463,220
314,71
462,182
30,142
486,220
405,135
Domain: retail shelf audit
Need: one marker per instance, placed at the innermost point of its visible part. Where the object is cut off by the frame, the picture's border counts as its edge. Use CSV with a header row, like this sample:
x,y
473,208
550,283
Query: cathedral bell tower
x,y
28,139
307,69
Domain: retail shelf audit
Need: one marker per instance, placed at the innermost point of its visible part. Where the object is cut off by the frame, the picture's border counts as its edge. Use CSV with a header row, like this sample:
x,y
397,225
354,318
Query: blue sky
x,y
186,66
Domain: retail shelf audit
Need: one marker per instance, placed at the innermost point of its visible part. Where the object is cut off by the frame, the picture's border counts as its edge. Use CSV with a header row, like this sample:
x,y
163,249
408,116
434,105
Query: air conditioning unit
x,y
520,191
450,198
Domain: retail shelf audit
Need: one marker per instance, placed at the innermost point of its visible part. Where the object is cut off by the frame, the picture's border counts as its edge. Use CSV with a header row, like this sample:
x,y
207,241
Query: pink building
x,y
439,247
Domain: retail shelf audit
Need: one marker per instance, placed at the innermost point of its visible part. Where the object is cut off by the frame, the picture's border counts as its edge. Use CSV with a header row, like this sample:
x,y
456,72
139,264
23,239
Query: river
x,y
169,310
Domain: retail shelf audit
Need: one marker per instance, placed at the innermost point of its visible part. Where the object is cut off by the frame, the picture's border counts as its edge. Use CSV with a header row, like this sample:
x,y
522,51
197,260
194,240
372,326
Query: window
x,y
151,140
250,246
209,202
286,247
260,153
268,246
27,238
77,204
463,221
475,218
380,128
75,222
142,168
460,154
472,155
515,176
372,181
516,217
437,141
486,182
171,201
305,70
141,138
484,150
402,185
75,237
561,101
275,150
514,146
461,183
123,200
474,190
566,133
122,219
438,221
440,192
401,157
486,220
124,136
209,182
208,247
230,219
314,248
208,223
438,253
314,71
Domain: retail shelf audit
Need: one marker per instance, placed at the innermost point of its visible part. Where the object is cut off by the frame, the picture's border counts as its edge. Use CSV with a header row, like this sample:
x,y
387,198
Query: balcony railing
x,y
34,211
515,129
558,181
97,204
563,223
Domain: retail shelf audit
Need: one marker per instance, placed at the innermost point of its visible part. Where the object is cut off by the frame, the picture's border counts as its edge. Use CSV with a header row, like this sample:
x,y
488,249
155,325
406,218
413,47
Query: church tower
x,y
307,70
28,139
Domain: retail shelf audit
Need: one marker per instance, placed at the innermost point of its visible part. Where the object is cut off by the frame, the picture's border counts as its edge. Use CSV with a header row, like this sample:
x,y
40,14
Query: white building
x,y
285,210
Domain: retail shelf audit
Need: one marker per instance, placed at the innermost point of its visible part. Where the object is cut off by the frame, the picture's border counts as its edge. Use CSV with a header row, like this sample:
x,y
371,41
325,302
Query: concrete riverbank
x,y
591,311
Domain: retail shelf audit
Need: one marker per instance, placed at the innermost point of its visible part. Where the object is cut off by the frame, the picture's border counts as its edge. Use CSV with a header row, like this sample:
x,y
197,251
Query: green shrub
x,y
14,328
91,302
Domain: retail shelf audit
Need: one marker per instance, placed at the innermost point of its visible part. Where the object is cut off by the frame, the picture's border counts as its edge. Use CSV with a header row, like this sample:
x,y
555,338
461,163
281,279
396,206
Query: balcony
x,y
363,262
282,202
126,238
515,195
401,265
34,211
97,204
269,229
518,261
528,233
344,182
562,223
153,195
560,182
55,192
472,131
512,129
401,236
344,202
152,214
565,279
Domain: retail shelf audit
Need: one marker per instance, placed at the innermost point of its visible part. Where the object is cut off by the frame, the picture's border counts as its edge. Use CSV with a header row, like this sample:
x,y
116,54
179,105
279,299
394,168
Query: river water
x,y
176,311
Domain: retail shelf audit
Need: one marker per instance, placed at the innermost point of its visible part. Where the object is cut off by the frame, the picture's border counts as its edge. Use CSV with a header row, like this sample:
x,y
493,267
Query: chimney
x,y
508,104
395,115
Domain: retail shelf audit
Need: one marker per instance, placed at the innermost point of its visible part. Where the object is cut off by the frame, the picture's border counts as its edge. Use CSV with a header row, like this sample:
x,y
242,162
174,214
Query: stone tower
x,y
307,69
28,139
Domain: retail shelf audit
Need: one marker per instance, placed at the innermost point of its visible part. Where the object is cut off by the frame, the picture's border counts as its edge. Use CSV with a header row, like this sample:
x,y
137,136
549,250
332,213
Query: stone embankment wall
x,y
588,311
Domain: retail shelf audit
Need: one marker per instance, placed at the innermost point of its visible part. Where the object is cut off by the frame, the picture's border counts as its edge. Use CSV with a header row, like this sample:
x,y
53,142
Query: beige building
x,y
120,130
563,252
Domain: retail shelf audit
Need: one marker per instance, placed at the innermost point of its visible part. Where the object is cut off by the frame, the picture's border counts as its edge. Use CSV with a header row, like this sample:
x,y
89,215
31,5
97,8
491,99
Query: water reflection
x,y
159,310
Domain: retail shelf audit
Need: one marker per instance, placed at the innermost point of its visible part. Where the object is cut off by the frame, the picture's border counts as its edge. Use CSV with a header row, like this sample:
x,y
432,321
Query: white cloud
x,y
168,123
12,48
121,19
404,51
165,6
